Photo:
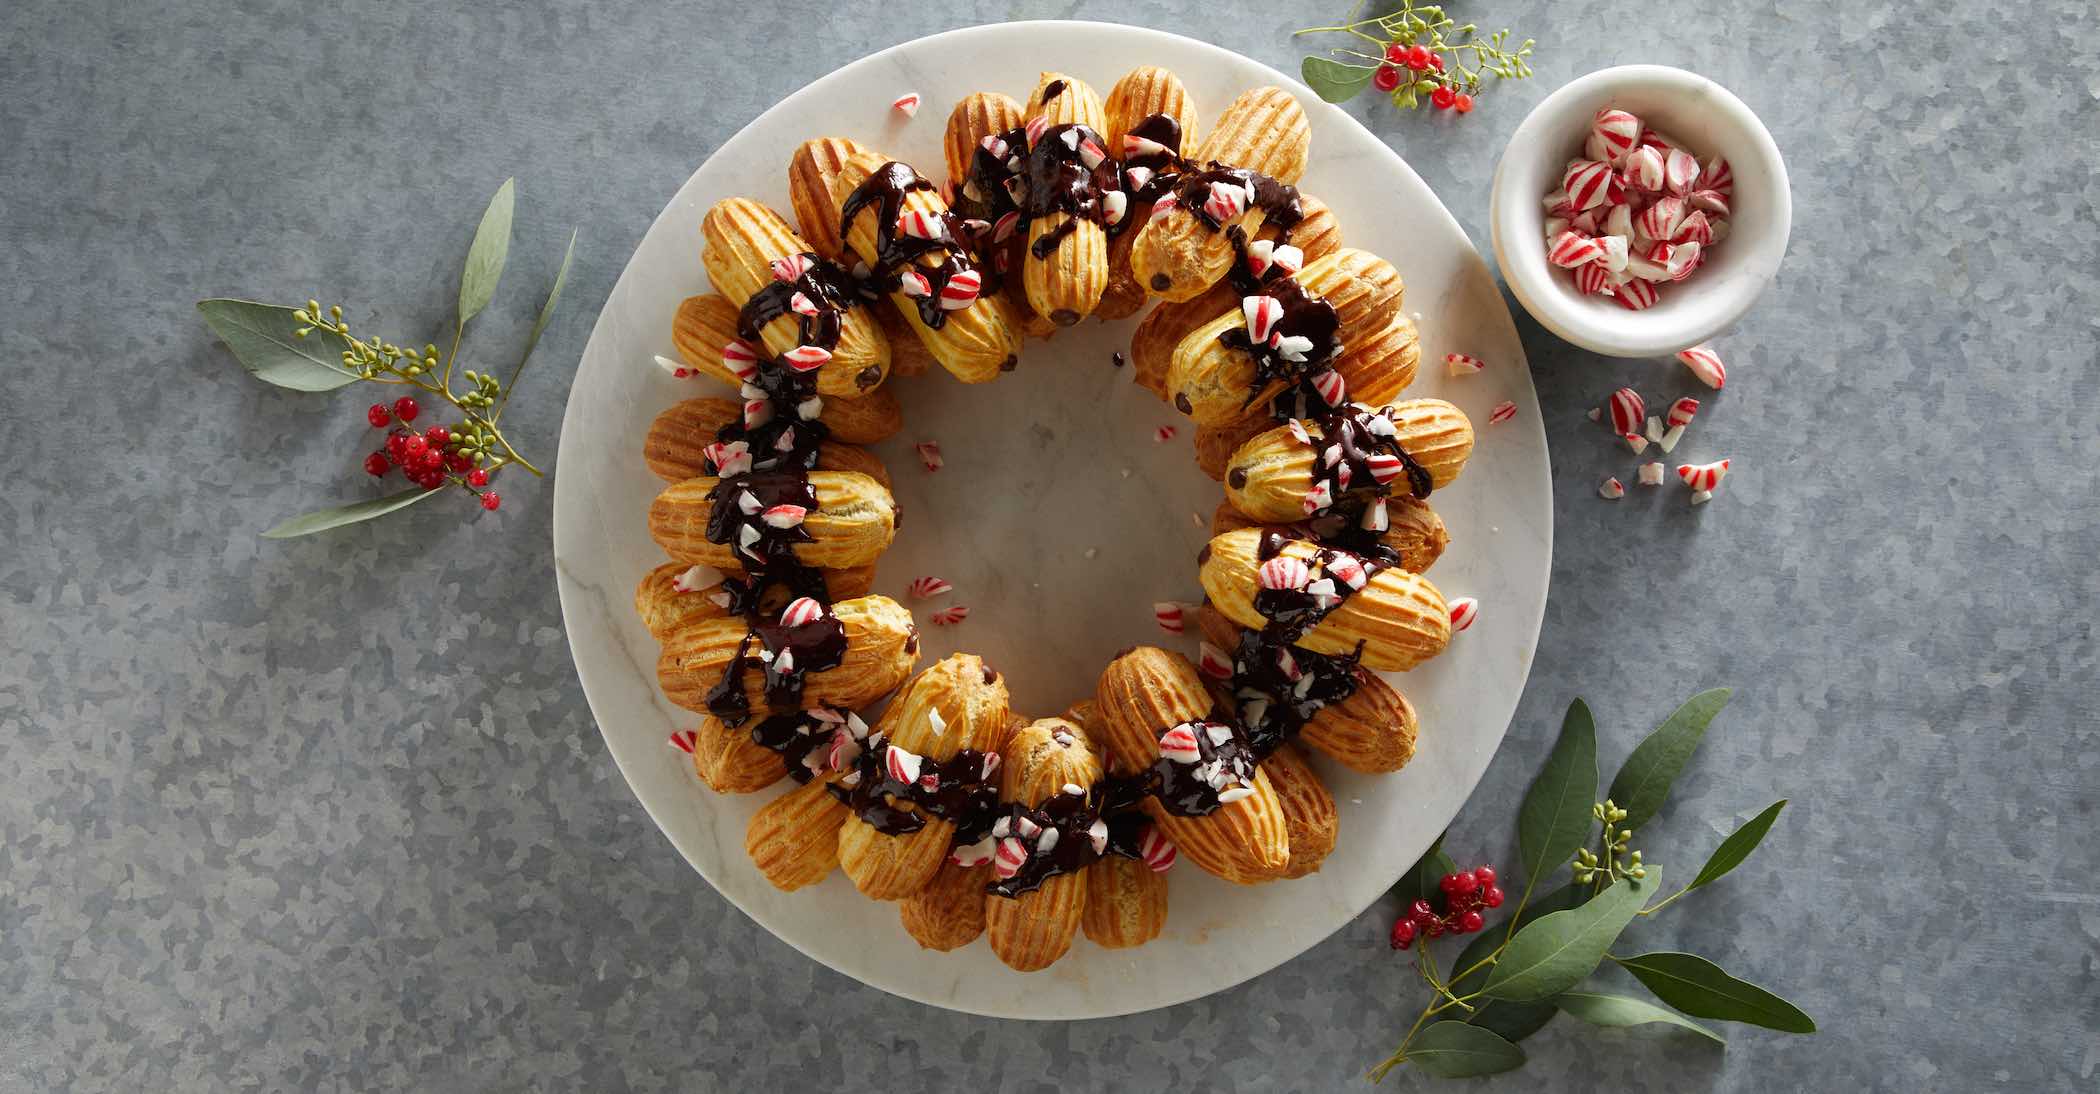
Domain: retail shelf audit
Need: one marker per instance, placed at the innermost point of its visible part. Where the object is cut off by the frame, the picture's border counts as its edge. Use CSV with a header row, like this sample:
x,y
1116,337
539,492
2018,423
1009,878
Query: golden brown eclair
x,y
675,448
958,703
1413,530
1399,618
948,913
811,171
1308,809
1269,474
1065,284
975,117
793,839
707,322
854,521
882,644
1176,255
1126,903
1032,930
743,239
1148,690
1372,731
664,607
1141,93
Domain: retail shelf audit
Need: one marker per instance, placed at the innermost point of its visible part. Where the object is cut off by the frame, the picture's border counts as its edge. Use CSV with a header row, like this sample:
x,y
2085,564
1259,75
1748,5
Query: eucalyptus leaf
x,y
1557,951
264,339
1512,1022
1455,1050
325,519
1555,817
1334,81
1421,879
1738,845
1606,1009
561,277
1643,784
1701,988
486,255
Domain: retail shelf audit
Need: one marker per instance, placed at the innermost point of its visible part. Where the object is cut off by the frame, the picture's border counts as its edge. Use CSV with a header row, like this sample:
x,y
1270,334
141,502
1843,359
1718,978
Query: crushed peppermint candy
x,y
1612,489
1464,611
926,588
696,578
678,369
1156,850
1460,364
1652,473
1164,434
1703,477
930,455
948,617
1705,364
1634,211
906,104
1171,616
1502,412
685,740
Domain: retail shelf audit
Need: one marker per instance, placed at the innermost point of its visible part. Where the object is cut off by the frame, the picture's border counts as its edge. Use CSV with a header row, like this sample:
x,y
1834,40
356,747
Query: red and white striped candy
x,y
1637,295
976,854
899,765
1213,662
1284,572
1091,154
1574,249
906,104
1652,473
1612,490
1115,205
1694,229
731,458
1684,258
1374,518
1705,364
1644,170
1156,850
1178,745
677,369
792,267
1682,412
1627,410
1317,498
1587,182
1502,412
914,284
1385,467
685,740
784,516
801,612
1460,364
948,617
1330,387
920,224
926,588
1036,127
757,412
1464,611
695,578
1226,201
1619,131
961,290
806,358
1135,146
740,359
1702,476
1164,434
1348,569
930,455
1661,220
1589,222
1635,441
1593,278
1170,616
1003,228
1595,148
1680,172
1718,178
1614,258
801,304
1007,861
1262,314
1709,201
1166,204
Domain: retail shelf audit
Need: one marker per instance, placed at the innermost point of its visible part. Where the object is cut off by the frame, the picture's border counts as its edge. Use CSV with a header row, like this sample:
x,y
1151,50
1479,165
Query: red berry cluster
x,y
427,458
1465,894
1420,58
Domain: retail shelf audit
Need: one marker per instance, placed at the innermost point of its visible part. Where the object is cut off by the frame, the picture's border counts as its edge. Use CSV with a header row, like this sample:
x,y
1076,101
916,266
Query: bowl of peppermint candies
x,y
1640,210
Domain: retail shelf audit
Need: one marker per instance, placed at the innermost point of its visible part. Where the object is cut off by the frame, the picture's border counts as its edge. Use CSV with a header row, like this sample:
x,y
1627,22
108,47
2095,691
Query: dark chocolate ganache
x,y
804,738
1063,835
1300,342
954,790
904,238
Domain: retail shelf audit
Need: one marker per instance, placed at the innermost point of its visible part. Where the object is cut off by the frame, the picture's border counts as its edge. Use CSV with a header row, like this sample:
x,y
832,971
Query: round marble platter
x,y
1060,517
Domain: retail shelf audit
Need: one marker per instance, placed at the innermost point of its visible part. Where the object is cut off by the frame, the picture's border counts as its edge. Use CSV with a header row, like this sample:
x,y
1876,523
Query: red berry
x,y
405,409
376,465
433,460
1471,922
397,446
1403,933
1436,61
477,477
491,500
1434,928
438,436
1442,98
1462,885
413,447
378,416
430,480
1464,103
1420,910
1395,53
1386,78
457,462
1449,884
1484,876
1492,898
1418,57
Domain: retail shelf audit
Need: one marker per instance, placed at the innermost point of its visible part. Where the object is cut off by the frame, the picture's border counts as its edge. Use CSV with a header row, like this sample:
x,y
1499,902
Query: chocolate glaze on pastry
x,y
953,790
897,253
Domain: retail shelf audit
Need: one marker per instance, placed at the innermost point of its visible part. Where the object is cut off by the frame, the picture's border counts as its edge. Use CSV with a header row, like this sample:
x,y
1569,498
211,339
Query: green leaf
x,y
325,519
485,256
1421,879
263,339
1699,987
1644,783
1556,951
1555,818
1512,1022
561,277
1334,81
1455,1050
1604,1009
1738,845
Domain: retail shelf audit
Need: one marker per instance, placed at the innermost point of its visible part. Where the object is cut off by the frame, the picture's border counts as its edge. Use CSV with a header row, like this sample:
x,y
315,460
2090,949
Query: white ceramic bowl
x,y
1709,121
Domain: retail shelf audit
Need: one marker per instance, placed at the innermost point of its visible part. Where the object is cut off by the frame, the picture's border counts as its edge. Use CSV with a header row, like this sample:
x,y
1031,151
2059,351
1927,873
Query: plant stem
x,y
1664,903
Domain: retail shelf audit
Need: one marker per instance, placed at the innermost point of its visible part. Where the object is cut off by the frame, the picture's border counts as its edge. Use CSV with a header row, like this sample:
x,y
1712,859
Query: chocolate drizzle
x,y
1072,817
1300,343
800,737
953,790
898,251
1279,200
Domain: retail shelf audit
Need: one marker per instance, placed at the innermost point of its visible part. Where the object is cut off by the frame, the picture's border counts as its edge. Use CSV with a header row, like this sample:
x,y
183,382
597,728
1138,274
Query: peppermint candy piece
x,y
1007,861
1136,178
1155,849
1170,616
1637,295
1718,178
1651,473
1654,432
930,455
1166,204
1502,412
1619,222
1349,570
1026,827
1213,662
696,578
1164,434
1708,201
1684,258
901,766
748,503
1574,249
1661,220
1635,441
1695,228
1670,438
1003,228
1464,611
1070,138
1318,498
791,268
1097,834
973,856
1135,146
806,358
1615,253
926,588
1330,387
1619,132
1090,154
1703,476
1385,467
674,368
1179,745
1612,489
1260,254
740,359
906,104
1587,182
1683,411
912,283
1284,572
801,304
1298,432
961,290
731,459
801,612
1294,347
1644,170
786,441
1115,205
1036,127
784,516
1705,364
991,764
948,617
810,409
1226,201
1262,314
757,412
685,740
1680,172
994,144
1374,518
783,662
1227,797
1460,364
920,224
1593,279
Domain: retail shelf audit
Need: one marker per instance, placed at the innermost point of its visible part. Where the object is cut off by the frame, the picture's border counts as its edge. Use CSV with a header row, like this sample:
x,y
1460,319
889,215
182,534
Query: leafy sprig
x,y
1417,53
1513,978
312,348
